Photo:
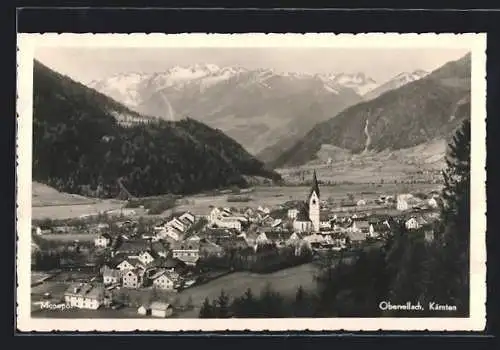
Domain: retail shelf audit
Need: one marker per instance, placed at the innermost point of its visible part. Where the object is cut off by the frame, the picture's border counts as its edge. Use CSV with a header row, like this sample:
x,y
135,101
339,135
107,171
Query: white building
x,y
111,276
401,203
165,280
412,224
314,204
160,309
292,213
146,257
102,241
85,296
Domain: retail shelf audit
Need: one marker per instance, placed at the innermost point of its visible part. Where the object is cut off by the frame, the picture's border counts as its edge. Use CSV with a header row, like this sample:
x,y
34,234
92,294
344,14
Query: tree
x,y
223,306
271,303
206,310
301,306
454,231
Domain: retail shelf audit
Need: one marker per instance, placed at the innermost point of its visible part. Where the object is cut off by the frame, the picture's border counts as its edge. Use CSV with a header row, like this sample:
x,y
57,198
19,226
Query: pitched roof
x,y
159,305
172,263
134,246
303,214
85,289
189,245
111,273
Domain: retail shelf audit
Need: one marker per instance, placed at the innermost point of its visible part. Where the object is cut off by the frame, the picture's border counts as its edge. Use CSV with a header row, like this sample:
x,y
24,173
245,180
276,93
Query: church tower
x,y
314,204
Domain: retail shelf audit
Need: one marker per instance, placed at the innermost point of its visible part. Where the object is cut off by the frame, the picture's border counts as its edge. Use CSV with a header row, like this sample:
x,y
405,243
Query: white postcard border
x,y
476,42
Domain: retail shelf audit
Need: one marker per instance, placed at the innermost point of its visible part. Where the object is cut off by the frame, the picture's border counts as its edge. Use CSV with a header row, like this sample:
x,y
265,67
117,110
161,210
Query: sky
x,y
87,64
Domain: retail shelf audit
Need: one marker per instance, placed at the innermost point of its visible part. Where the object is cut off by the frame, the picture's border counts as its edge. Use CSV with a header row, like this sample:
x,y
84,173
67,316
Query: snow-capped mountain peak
x,y
397,81
408,77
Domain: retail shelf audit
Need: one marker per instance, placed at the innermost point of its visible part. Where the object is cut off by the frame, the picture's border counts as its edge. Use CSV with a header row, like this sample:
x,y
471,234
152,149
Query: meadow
x,y
265,196
272,196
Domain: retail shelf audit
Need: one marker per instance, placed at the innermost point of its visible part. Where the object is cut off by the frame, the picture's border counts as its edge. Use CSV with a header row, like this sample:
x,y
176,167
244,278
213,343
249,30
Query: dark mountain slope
x,y
408,116
80,147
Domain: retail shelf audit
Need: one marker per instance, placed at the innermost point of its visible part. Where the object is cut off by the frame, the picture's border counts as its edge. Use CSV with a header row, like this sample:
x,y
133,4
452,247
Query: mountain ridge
x,y
254,106
414,113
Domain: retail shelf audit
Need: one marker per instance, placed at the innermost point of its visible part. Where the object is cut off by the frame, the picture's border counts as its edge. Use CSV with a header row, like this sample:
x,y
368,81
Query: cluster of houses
x,y
92,296
159,259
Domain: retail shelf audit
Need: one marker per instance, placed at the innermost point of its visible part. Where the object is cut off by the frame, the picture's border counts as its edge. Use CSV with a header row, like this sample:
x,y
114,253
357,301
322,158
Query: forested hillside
x,y
80,147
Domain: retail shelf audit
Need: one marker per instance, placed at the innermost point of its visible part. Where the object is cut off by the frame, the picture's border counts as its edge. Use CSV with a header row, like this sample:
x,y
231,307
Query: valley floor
x,y
265,196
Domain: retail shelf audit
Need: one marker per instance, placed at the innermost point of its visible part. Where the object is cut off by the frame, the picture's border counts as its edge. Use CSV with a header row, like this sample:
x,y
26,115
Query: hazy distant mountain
x,y
424,110
258,108
84,142
394,83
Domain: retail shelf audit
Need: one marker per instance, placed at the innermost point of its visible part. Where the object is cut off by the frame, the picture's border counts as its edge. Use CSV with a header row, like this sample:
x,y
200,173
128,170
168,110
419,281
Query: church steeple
x,y
314,205
315,186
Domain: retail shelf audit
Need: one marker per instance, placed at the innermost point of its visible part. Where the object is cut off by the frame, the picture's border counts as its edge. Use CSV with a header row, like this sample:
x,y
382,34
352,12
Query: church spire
x,y
314,187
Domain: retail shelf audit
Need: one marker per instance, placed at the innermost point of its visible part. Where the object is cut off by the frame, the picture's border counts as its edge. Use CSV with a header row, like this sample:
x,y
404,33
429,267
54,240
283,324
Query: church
x,y
308,217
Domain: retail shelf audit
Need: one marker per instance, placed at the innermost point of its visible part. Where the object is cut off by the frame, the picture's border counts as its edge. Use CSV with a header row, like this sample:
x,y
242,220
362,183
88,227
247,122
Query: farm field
x,y
284,281
68,211
70,237
43,195
271,196
266,196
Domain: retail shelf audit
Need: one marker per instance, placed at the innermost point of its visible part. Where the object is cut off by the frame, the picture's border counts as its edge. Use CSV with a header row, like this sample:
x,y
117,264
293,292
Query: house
x,y
263,210
85,296
111,276
189,252
187,218
292,213
146,257
178,224
360,226
130,263
401,203
103,240
324,220
133,278
125,265
171,231
161,309
412,223
377,229
230,222
194,238
165,280
262,239
143,310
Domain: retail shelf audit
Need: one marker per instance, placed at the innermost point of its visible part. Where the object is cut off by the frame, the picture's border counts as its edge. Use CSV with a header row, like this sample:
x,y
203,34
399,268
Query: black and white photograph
x,y
213,182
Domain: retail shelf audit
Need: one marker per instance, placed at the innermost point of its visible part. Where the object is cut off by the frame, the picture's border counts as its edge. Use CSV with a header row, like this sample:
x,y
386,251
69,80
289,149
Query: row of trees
x,y
269,303
267,258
